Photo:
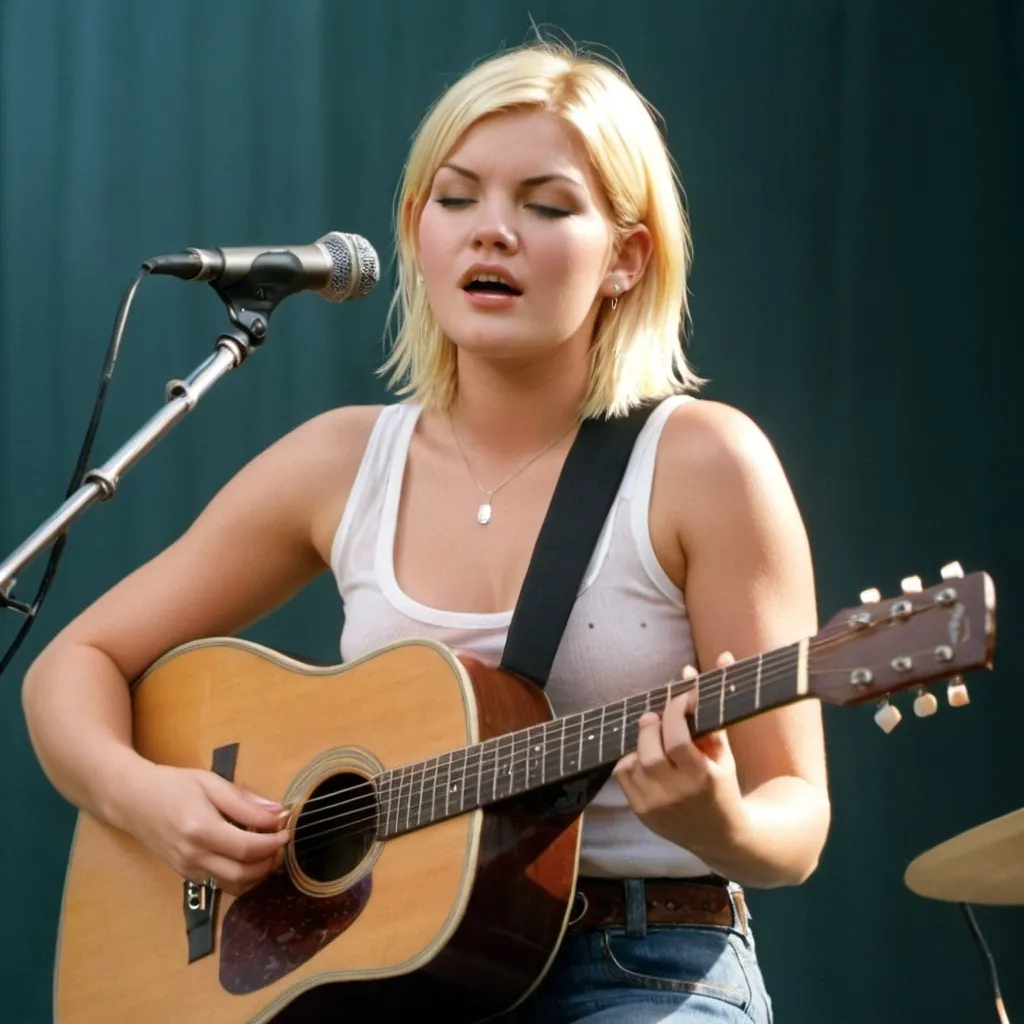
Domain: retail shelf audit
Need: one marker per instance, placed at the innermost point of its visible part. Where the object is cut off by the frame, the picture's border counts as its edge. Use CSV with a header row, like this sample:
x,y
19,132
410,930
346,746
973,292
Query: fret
x,y
423,785
462,785
721,700
397,798
757,683
436,814
592,734
600,739
383,785
537,749
544,756
503,771
561,750
447,784
515,759
494,780
408,802
622,730
393,800
579,746
479,773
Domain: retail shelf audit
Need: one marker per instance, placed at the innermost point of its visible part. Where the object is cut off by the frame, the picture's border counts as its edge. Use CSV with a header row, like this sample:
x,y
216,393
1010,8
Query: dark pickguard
x,y
274,928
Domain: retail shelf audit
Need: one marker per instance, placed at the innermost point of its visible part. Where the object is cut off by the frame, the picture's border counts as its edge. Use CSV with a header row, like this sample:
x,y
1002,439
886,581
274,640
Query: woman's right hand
x,y
204,826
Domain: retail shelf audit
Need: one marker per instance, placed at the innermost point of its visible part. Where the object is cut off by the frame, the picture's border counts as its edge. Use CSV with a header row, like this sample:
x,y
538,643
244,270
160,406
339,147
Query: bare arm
x,y
726,507
261,539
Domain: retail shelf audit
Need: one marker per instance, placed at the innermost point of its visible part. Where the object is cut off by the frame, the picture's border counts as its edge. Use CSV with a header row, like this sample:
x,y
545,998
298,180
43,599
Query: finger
x,y
650,753
714,745
725,658
241,806
233,877
676,737
245,847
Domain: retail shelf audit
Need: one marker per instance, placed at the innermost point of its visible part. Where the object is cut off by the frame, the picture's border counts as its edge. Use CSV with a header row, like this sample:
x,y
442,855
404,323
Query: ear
x,y
629,262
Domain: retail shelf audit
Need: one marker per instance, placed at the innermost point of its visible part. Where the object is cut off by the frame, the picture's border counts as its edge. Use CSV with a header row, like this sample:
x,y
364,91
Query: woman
x,y
542,279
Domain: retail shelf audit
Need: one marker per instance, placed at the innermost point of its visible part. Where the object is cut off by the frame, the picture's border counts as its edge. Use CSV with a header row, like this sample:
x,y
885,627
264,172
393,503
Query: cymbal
x,y
982,865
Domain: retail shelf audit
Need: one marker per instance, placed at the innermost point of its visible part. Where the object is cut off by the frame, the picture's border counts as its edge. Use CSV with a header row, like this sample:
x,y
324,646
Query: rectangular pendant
x,y
483,514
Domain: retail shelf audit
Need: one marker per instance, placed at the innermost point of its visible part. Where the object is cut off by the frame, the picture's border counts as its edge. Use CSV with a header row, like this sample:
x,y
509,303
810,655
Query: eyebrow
x,y
540,179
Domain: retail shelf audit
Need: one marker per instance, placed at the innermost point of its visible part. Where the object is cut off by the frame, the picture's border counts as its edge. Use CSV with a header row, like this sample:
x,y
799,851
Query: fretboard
x,y
418,794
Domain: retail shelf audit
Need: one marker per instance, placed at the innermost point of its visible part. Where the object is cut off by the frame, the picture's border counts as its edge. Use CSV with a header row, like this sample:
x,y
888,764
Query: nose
x,y
493,231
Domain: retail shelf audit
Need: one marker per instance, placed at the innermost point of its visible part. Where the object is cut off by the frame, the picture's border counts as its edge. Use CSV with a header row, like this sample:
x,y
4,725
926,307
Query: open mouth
x,y
491,287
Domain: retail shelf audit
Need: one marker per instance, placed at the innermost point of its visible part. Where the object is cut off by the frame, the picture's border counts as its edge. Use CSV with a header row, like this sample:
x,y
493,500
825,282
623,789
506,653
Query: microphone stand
x,y
250,302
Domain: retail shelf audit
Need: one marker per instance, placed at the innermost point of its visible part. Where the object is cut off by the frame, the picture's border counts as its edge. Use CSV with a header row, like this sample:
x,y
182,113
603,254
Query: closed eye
x,y
550,211
455,201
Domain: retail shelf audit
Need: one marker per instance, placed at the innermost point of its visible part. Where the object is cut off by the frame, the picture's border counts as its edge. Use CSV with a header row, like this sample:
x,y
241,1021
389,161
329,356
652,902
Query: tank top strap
x,y
382,464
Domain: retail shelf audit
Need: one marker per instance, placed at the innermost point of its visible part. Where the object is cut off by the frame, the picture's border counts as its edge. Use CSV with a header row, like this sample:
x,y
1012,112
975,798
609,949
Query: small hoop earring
x,y
615,302
615,298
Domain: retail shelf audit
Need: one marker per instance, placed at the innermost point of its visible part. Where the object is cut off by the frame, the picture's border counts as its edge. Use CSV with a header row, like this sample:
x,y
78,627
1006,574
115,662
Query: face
x,y
517,200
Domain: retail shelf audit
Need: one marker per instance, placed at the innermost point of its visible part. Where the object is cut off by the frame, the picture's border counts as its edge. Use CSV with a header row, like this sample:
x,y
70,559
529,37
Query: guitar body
x,y
464,915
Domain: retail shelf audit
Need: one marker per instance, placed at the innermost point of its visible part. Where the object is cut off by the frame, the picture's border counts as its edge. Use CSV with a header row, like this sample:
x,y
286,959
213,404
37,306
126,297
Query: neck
x,y
508,409
567,748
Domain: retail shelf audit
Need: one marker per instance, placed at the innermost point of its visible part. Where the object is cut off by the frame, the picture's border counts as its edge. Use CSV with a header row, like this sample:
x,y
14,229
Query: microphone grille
x,y
355,267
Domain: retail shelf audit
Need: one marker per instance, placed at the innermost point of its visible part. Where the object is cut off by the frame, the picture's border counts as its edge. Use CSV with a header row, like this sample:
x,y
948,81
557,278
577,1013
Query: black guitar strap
x,y
583,496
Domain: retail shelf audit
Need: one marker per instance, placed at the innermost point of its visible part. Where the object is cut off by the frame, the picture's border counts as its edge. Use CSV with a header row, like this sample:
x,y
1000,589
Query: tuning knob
x,y
952,571
887,717
870,596
925,704
911,585
956,692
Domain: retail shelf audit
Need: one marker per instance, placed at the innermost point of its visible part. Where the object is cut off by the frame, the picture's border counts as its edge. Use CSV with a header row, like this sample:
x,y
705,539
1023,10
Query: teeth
x,y
490,279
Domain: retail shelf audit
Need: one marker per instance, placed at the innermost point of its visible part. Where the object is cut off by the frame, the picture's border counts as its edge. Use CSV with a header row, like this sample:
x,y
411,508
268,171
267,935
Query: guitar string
x,y
388,801
573,728
703,681
371,821
577,721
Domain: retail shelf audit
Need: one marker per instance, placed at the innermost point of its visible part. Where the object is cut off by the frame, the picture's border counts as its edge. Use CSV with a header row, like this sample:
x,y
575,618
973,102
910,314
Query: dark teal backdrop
x,y
854,173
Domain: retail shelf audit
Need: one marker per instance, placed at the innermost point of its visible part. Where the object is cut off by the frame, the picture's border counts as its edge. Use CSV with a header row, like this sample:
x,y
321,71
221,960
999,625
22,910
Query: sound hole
x,y
336,827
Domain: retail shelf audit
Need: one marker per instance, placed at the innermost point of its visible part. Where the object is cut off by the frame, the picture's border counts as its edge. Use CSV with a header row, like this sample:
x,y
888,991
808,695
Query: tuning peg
x,y
888,716
952,571
911,585
925,704
956,692
870,596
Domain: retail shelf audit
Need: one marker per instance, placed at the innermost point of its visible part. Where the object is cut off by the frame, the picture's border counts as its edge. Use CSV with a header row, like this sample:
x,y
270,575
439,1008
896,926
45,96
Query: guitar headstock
x,y
924,636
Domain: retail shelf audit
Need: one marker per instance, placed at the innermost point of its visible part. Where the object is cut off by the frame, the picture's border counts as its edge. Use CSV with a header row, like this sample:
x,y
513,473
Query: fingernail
x,y
285,813
264,801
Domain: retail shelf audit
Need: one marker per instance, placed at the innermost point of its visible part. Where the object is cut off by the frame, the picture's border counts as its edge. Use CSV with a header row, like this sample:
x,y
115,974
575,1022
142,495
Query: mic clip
x,y
250,299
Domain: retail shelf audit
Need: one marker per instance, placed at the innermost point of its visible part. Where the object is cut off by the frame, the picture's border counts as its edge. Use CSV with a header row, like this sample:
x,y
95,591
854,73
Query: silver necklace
x,y
483,513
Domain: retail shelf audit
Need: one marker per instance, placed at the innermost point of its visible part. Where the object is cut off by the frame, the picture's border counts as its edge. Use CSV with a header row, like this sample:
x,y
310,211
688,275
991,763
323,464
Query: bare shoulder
x,y
722,507
261,538
717,442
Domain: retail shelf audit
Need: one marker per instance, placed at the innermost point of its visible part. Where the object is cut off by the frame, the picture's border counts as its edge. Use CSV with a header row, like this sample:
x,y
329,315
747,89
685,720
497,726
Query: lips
x,y
483,278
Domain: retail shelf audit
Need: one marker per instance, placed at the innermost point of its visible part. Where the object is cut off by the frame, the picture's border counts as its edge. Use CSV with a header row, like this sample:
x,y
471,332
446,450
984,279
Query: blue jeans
x,y
699,974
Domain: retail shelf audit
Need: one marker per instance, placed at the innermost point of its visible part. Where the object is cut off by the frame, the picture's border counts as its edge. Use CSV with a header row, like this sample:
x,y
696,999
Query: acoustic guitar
x,y
435,813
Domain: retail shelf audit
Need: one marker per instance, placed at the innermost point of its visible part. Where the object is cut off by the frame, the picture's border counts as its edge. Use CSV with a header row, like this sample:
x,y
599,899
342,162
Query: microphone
x,y
338,266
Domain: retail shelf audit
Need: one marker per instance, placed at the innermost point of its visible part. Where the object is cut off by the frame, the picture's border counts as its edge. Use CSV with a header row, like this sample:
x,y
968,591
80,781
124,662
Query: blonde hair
x,y
636,352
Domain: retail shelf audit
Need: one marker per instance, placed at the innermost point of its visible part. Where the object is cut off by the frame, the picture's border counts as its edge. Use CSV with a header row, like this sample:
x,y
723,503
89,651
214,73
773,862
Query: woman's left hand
x,y
684,789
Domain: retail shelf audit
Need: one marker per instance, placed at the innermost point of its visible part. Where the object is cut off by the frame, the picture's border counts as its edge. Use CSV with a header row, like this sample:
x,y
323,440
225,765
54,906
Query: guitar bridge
x,y
200,898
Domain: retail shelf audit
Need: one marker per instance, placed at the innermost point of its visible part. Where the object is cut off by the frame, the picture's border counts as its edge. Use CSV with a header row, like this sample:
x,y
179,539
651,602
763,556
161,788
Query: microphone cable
x,y
31,609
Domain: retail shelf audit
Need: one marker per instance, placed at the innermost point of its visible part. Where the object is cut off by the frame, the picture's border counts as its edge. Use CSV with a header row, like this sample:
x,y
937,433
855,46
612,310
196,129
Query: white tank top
x,y
628,631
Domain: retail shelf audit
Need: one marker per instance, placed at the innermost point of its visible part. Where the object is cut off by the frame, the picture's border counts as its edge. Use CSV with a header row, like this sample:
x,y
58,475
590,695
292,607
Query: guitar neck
x,y
418,794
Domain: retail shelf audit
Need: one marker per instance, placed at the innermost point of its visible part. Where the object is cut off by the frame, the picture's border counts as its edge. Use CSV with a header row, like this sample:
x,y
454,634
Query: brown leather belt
x,y
601,903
